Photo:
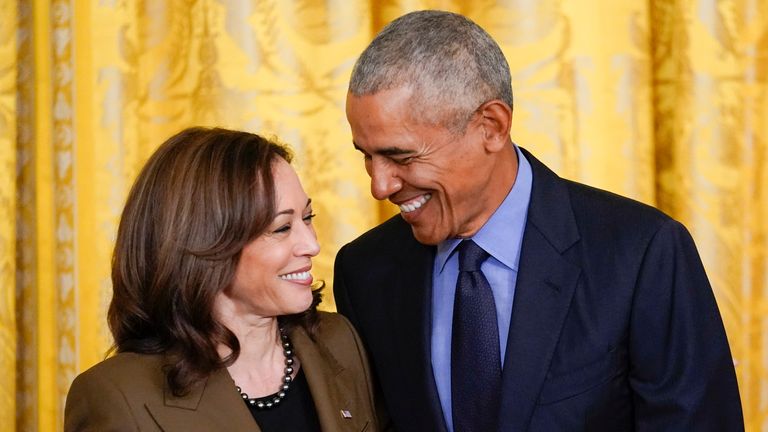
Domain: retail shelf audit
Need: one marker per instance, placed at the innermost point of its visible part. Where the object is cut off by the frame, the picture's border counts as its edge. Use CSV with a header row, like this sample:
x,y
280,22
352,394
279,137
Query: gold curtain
x,y
665,101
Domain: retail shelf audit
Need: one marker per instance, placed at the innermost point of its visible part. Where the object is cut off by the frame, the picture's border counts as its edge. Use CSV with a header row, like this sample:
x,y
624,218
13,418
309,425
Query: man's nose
x,y
384,181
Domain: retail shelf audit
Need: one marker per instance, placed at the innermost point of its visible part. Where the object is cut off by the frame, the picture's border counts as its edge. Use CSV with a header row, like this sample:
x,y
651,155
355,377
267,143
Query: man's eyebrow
x,y
387,151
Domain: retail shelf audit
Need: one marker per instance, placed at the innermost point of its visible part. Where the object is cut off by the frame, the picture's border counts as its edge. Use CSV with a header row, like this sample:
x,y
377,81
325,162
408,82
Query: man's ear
x,y
495,121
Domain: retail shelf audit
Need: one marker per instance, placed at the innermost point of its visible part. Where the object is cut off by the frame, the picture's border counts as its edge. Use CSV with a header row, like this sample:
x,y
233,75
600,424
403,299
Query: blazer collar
x,y
545,285
412,304
213,404
336,400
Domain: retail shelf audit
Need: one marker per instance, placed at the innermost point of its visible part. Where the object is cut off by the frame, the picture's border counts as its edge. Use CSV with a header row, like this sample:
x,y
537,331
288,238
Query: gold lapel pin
x,y
346,414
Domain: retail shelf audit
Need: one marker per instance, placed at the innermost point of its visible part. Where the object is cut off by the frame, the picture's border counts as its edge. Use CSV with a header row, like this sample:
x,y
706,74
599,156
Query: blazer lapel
x,y
330,385
545,286
405,298
414,308
212,405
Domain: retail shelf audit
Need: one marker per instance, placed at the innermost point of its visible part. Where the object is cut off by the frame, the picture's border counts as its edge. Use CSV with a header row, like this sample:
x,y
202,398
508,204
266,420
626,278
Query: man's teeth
x,y
296,276
417,203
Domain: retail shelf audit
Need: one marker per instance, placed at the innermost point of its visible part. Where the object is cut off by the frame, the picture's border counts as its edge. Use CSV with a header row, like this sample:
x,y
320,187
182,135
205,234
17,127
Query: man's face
x,y
437,177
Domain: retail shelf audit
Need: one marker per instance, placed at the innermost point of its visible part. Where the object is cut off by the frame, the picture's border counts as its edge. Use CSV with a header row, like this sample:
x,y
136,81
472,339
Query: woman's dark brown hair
x,y
200,198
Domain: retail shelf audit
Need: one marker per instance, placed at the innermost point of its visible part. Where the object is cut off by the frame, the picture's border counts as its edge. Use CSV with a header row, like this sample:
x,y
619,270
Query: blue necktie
x,y
475,357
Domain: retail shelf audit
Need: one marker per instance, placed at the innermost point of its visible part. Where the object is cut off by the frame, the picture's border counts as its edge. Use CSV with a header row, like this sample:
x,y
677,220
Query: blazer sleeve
x,y
682,371
95,404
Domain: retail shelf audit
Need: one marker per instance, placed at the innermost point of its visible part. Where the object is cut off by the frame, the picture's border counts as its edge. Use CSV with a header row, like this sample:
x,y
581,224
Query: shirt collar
x,y
501,236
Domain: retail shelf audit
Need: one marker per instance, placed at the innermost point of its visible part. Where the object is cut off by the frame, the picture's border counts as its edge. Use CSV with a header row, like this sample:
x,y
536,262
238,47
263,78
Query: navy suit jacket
x,y
614,325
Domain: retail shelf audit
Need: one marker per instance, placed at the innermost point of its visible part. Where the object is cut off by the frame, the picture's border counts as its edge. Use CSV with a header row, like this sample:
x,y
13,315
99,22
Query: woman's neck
x,y
259,367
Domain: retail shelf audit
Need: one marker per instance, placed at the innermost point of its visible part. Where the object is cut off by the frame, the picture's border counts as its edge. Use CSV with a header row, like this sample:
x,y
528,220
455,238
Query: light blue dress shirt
x,y
501,237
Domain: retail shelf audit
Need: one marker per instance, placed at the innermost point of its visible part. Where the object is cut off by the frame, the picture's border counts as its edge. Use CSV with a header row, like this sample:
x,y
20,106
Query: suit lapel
x,y
420,284
330,385
212,405
413,307
545,286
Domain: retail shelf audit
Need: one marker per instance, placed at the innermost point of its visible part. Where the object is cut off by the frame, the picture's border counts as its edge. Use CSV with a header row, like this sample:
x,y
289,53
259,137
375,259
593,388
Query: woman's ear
x,y
495,119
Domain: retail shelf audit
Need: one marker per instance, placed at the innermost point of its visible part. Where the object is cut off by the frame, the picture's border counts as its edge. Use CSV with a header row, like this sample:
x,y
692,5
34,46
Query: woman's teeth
x,y
296,276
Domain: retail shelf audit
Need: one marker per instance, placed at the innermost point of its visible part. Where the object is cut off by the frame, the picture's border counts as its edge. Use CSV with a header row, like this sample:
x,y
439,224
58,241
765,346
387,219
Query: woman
x,y
213,314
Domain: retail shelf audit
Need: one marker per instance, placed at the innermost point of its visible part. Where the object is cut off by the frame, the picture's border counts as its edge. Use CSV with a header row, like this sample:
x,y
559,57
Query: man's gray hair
x,y
450,63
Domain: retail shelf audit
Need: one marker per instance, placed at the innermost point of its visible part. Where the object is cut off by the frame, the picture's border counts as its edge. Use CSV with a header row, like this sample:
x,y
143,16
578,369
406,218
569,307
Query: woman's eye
x,y
308,218
283,228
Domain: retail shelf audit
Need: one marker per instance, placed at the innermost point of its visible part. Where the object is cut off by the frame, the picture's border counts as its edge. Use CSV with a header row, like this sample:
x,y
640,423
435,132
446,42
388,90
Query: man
x,y
503,297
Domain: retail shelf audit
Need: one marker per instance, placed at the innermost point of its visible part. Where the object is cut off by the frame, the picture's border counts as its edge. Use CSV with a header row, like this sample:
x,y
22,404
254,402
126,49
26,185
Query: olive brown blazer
x,y
128,392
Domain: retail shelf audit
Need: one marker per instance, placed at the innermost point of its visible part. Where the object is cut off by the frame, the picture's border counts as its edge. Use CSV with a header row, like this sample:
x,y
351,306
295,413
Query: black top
x,y
296,411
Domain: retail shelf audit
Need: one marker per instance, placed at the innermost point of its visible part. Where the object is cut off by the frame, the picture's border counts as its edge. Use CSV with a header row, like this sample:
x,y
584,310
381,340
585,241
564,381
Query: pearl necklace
x,y
274,399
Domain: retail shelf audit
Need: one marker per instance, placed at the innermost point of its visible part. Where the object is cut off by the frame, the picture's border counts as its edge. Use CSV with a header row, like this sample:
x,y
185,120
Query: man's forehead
x,y
387,99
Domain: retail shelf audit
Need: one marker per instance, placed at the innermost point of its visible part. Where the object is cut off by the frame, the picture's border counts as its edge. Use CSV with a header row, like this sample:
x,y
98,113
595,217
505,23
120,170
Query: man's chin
x,y
426,237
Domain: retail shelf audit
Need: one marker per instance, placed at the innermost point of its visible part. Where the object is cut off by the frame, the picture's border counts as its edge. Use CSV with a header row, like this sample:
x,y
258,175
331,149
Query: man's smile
x,y
415,203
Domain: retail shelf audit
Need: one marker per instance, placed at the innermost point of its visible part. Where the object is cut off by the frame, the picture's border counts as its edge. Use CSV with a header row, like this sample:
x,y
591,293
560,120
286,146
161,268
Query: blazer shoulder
x,y
105,396
566,210
597,198
128,373
127,370
613,213
335,330
393,230
381,250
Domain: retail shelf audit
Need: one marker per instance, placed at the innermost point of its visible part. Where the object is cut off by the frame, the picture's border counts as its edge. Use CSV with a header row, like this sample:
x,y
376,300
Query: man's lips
x,y
415,203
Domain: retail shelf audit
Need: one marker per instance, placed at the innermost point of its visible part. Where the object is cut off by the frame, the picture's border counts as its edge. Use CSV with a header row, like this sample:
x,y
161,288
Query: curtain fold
x,y
8,49
665,101
710,109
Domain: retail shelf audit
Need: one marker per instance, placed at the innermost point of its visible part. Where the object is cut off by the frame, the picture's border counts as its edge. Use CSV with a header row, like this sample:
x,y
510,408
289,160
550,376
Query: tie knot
x,y
471,256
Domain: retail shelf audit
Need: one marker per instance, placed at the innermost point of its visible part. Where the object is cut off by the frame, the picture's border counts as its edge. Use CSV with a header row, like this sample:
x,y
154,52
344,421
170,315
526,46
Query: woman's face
x,y
273,275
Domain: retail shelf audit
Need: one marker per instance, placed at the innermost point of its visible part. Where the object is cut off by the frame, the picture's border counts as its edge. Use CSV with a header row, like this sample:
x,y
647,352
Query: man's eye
x,y
403,161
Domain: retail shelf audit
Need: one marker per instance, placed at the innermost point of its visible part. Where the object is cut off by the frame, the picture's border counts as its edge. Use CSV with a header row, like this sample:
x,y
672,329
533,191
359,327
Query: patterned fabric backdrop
x,y
665,101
